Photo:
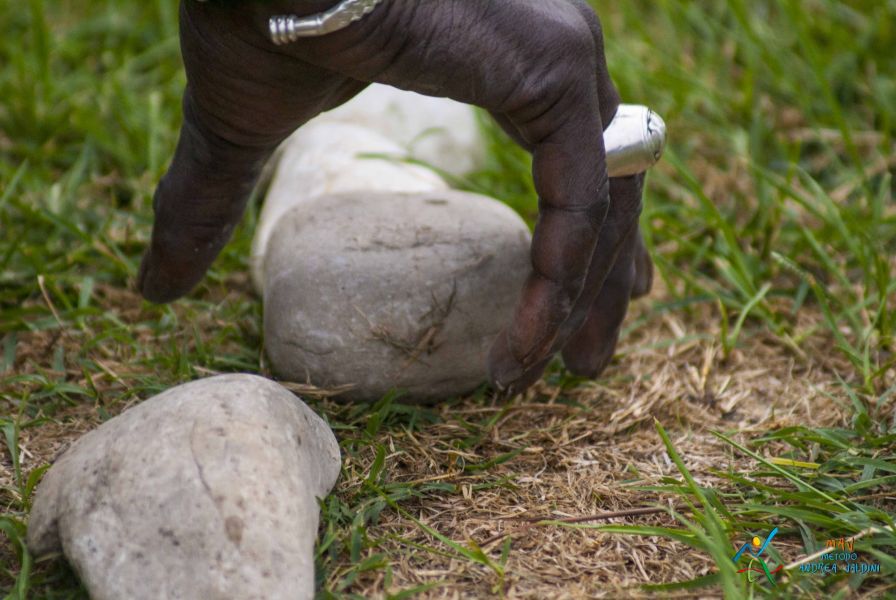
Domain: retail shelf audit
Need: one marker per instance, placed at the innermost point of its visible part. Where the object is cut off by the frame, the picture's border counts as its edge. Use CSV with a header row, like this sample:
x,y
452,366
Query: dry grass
x,y
778,152
576,449
584,456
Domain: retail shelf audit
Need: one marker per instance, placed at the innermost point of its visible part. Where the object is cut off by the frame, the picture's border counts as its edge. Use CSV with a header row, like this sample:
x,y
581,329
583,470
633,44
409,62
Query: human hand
x,y
536,65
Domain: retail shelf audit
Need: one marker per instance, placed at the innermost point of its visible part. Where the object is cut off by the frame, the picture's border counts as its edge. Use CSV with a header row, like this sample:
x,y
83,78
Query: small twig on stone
x,y
382,333
426,343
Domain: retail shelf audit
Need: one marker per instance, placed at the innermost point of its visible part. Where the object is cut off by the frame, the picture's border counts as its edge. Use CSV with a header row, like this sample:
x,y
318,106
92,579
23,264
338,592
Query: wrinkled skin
x,y
536,65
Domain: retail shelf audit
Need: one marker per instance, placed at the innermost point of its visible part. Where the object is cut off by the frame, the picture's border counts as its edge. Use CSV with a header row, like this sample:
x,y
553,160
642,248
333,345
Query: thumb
x,y
197,205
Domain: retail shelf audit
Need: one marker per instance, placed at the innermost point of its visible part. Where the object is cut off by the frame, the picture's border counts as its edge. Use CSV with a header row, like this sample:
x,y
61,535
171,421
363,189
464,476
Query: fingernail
x,y
503,368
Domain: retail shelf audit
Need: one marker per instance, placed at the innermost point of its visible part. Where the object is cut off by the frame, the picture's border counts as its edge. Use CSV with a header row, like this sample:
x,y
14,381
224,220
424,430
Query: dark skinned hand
x,y
536,65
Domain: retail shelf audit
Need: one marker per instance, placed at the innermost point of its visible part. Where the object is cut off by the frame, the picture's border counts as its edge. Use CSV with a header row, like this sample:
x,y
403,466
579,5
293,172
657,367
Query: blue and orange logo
x,y
754,550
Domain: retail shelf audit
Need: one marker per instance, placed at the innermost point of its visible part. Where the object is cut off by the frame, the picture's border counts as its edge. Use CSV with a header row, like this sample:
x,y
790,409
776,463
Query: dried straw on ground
x,y
582,451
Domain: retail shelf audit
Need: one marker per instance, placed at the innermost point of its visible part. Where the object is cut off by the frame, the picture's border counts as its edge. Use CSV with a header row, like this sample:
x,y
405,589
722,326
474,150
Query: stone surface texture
x,y
392,290
207,491
328,157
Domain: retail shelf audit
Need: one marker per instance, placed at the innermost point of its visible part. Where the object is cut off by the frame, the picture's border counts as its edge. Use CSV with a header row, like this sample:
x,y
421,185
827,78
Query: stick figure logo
x,y
754,550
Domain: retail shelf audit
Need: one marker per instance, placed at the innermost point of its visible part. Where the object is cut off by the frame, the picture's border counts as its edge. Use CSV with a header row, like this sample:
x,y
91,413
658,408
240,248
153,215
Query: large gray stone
x,y
390,291
207,491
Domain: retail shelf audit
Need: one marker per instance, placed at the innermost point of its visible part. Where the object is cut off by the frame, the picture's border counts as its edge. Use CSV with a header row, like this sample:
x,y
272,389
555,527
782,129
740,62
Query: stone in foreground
x,y
385,291
207,491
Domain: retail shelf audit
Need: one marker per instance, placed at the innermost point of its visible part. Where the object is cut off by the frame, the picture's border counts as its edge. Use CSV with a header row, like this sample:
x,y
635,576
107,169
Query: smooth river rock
x,y
207,491
328,157
387,291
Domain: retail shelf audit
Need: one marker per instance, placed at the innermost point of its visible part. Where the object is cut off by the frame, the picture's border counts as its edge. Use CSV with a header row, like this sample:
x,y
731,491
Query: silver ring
x,y
289,28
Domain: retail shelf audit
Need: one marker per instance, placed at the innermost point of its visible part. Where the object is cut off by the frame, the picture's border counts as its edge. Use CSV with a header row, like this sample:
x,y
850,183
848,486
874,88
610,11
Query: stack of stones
x,y
375,275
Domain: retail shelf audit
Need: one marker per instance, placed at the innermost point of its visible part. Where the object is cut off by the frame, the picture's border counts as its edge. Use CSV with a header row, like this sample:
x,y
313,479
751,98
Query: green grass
x,y
773,208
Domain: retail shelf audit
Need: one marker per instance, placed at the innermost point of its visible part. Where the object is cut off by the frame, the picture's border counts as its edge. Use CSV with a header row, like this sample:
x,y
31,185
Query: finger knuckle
x,y
561,71
576,38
